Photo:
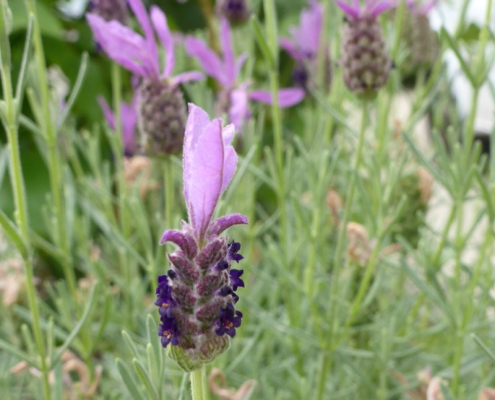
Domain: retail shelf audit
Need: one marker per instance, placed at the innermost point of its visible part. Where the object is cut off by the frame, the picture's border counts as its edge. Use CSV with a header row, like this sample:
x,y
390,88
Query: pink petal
x,y
228,134
380,8
223,223
286,97
229,167
121,44
161,27
198,119
352,11
207,58
239,108
206,177
142,16
186,242
187,77
129,122
227,50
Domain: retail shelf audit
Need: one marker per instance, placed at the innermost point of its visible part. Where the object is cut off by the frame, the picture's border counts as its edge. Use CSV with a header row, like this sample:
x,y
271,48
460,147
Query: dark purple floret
x,y
164,298
171,274
300,76
228,321
235,279
225,291
222,265
232,250
168,331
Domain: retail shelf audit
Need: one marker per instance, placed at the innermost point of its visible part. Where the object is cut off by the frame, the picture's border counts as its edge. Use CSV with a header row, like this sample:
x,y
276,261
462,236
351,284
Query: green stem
x,y
17,183
338,259
198,384
54,163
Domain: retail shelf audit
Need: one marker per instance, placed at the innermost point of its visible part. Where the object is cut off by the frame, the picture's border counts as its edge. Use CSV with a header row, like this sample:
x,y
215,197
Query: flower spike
x,y
196,297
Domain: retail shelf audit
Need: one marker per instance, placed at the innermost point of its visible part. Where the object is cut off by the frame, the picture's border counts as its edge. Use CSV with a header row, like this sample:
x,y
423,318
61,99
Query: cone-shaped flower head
x,y
234,96
236,11
161,108
110,10
129,123
196,298
304,44
365,62
418,37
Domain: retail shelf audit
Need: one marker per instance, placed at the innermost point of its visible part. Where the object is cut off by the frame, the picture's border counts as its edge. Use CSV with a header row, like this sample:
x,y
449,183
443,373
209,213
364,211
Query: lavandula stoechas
x,y
417,35
234,96
304,44
197,296
365,61
236,11
161,107
111,10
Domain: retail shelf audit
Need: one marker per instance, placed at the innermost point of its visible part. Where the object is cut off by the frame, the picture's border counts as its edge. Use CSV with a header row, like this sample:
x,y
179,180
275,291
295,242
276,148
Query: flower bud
x,y
111,10
236,11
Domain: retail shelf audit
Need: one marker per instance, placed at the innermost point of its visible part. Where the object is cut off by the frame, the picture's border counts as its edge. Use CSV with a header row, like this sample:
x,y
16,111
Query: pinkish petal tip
x,y
223,223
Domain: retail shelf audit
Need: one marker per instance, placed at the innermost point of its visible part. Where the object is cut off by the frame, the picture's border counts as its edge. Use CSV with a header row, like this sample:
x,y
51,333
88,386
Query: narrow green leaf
x,y
14,234
87,311
25,62
18,354
145,378
483,347
129,380
130,344
260,39
452,44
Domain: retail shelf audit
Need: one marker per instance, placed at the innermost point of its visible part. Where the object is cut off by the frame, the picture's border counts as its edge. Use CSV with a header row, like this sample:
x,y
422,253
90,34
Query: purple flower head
x,y
229,320
198,295
372,8
234,95
129,122
304,43
136,53
110,10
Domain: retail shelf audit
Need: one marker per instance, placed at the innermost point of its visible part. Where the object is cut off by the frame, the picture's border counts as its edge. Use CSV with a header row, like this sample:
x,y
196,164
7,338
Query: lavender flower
x,y
304,44
111,10
418,37
236,11
161,108
196,298
234,96
365,62
129,122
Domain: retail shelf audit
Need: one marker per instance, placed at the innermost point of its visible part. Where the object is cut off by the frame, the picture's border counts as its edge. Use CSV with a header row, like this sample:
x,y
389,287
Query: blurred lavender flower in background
x,y
234,96
129,122
304,44
161,107
197,296
418,37
111,10
236,11
365,62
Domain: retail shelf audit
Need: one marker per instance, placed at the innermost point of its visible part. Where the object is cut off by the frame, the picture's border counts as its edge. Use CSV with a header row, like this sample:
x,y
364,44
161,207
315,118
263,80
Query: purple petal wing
x,y
160,23
142,16
223,223
107,112
196,123
129,121
186,242
239,108
227,51
380,8
286,97
228,134
352,11
229,166
239,63
187,77
206,177
121,44
210,62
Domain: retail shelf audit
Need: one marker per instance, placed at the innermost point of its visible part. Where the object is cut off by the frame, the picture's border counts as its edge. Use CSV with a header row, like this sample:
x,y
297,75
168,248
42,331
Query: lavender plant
x,y
342,300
